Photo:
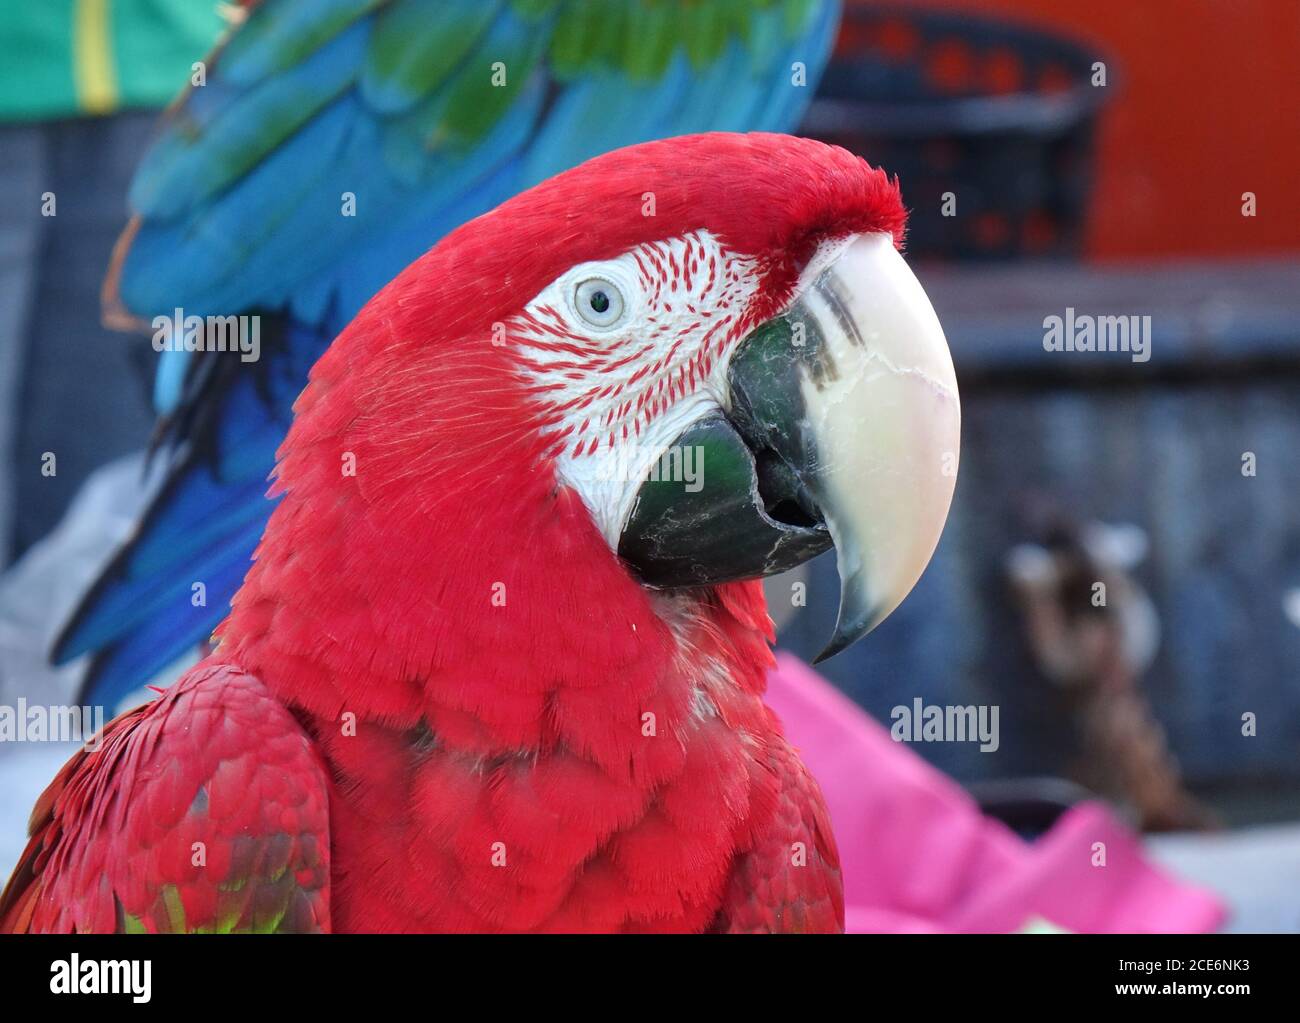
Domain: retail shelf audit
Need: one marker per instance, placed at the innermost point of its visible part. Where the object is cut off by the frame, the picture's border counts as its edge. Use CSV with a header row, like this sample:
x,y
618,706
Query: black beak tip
x,y
842,640
855,620
839,642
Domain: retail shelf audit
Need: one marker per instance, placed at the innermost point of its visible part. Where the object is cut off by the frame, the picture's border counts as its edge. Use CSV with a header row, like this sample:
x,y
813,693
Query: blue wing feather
x,y
202,527
223,133
157,642
282,35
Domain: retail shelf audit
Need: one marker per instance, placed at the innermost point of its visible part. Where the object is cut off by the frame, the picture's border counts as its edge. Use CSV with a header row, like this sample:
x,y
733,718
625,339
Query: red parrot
x,y
498,664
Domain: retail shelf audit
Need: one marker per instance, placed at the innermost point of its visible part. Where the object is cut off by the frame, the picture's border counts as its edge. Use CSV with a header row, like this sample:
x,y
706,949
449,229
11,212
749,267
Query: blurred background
x,y
1113,158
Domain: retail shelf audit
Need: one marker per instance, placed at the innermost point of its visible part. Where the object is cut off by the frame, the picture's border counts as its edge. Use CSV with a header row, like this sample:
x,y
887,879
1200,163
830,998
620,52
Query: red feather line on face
x,y
618,383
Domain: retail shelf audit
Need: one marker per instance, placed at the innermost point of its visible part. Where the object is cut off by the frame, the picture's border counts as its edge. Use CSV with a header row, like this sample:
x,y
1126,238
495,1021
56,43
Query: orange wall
x,y
1206,106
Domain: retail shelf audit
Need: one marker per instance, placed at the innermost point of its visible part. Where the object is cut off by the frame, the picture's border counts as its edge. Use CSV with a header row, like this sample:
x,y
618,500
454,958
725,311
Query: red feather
x,y
205,809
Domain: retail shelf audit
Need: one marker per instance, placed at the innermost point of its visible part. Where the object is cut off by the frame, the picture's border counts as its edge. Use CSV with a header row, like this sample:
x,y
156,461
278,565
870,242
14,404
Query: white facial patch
x,y
621,393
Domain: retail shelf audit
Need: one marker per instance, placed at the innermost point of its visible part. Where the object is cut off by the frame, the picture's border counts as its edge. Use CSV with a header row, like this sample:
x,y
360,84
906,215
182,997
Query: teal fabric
x,y
141,53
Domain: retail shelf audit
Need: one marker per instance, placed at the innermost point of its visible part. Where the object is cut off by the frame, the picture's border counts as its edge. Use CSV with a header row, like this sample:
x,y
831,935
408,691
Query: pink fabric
x,y
918,855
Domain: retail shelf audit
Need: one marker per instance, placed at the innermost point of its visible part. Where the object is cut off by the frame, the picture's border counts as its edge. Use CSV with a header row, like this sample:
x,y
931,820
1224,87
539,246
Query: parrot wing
x,y
789,880
204,810
166,589
327,145
425,113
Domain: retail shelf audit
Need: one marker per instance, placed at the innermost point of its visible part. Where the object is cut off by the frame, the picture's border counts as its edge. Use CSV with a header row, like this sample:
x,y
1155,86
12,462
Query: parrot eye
x,y
599,302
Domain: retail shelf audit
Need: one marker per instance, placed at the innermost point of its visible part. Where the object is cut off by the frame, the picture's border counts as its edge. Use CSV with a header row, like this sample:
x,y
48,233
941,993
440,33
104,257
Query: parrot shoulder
x,y
788,878
206,809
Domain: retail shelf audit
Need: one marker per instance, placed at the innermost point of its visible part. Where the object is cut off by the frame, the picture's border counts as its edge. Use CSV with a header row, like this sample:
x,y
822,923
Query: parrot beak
x,y
843,427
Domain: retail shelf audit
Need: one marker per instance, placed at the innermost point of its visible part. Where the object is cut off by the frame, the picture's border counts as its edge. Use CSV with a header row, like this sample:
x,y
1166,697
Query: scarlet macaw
x,y
486,672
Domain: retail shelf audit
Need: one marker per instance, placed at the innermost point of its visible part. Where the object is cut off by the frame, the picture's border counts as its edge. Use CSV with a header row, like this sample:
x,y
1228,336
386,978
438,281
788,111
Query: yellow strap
x,y
93,57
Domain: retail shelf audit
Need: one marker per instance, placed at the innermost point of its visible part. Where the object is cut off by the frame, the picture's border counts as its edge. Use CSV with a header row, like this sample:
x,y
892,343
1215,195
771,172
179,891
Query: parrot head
x,y
710,342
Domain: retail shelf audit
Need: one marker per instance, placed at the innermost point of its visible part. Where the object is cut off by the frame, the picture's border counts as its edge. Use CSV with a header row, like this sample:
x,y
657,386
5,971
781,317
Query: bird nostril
x,y
789,513
785,499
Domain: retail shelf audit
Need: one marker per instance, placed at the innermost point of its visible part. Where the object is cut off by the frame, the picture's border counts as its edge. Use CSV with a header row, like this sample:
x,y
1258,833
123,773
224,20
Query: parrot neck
x,y
496,629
